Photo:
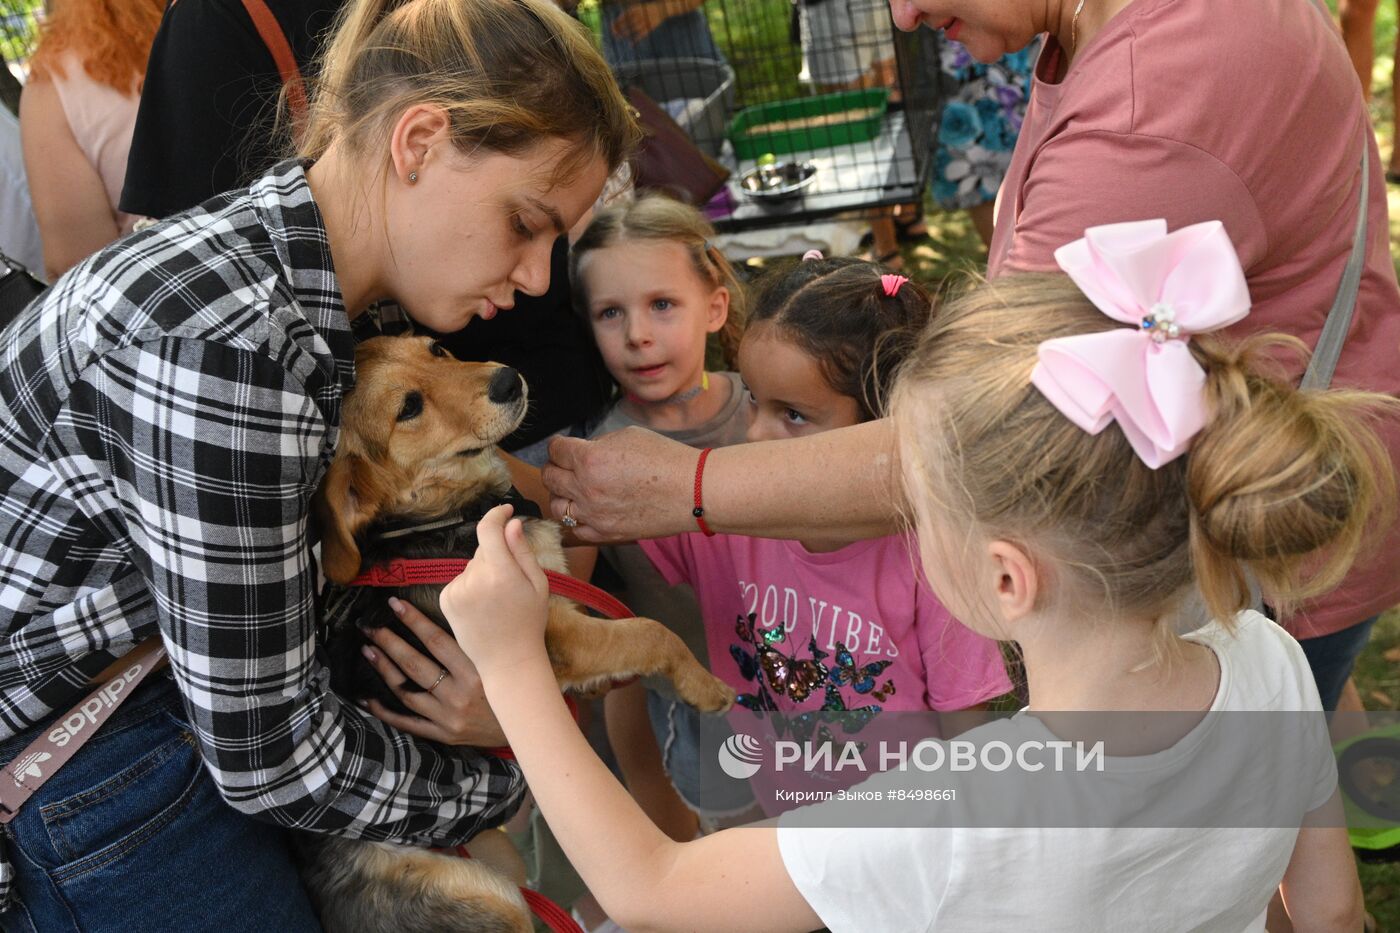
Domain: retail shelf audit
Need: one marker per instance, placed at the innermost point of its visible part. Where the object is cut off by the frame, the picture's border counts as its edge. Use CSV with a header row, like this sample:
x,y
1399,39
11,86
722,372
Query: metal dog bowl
x,y
777,182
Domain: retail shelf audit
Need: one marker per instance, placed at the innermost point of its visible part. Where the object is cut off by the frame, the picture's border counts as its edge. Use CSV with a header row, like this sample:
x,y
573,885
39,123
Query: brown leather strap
x,y
276,41
42,758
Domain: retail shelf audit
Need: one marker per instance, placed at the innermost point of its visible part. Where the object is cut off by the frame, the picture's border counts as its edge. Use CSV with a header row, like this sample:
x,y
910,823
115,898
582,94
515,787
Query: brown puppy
x,y
414,469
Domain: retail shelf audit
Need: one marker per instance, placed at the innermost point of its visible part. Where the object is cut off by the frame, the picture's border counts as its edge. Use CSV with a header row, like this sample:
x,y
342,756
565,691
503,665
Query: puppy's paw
x,y
706,692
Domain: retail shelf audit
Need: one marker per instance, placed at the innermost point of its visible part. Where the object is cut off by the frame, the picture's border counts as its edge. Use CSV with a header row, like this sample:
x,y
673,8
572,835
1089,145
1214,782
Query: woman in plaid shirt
x,y
166,412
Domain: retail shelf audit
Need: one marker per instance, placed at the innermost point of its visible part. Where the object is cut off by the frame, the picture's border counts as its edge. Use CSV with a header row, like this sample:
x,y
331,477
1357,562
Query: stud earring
x,y
412,177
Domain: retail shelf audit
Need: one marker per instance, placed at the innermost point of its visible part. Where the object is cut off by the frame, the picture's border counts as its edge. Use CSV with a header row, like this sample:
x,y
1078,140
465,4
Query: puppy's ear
x,y
348,500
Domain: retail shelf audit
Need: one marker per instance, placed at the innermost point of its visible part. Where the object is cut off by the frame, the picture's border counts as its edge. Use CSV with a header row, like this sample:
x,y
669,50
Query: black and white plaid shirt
x,y
166,412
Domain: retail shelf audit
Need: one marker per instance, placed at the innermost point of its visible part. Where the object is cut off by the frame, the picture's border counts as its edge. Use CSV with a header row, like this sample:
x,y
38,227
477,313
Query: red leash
x,y
405,572
550,913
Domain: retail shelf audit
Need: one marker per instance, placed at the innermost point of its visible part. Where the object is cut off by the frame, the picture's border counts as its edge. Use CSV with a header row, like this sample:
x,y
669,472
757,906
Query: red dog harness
x,y
406,572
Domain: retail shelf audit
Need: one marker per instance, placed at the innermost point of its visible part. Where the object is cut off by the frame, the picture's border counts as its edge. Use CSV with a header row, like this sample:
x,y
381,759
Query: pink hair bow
x,y
1168,286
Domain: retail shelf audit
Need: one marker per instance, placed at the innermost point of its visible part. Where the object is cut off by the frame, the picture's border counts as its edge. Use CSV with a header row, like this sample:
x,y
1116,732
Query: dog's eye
x,y
437,349
412,406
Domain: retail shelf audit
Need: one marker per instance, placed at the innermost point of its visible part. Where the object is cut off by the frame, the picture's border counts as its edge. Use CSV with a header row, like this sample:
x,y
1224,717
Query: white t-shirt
x,y
1071,878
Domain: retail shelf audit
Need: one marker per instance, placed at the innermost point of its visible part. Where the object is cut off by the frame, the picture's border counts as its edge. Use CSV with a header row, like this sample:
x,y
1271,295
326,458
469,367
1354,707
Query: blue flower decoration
x,y
988,111
997,134
961,125
944,191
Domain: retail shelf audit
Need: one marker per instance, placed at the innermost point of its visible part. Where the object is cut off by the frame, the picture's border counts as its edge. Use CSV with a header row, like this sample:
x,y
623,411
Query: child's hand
x,y
497,606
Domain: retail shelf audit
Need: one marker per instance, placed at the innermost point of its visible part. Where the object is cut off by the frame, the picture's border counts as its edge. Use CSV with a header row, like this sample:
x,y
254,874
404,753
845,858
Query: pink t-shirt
x,y
1248,112
859,628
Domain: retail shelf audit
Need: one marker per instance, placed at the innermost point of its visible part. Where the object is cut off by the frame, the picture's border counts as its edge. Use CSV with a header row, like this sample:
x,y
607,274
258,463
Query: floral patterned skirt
x,y
980,124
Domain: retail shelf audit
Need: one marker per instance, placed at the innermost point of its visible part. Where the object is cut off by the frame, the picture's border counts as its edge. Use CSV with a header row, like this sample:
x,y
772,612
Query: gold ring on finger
x,y
441,674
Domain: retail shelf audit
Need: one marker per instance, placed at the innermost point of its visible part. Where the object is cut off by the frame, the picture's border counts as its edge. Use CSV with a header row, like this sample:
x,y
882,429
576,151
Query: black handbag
x,y
18,288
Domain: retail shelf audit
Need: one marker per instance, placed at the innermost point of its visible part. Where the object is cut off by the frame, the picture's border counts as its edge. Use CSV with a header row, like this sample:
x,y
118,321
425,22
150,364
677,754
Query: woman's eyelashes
x,y
521,228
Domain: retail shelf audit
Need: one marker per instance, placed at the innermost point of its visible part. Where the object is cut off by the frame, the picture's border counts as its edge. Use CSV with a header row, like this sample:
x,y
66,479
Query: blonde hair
x,y
657,217
112,38
510,73
1281,484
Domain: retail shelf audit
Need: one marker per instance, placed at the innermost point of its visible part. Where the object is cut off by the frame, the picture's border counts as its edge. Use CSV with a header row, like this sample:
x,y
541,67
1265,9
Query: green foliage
x,y
17,28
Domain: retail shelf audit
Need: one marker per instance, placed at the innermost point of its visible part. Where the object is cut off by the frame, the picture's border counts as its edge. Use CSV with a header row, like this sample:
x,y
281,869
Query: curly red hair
x,y
112,38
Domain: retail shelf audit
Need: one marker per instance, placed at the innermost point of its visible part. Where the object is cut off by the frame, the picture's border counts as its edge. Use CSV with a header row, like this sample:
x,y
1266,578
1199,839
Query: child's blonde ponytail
x,y
1282,483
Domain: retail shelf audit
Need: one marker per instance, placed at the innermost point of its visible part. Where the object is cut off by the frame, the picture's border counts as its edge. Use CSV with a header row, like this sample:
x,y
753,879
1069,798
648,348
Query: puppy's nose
x,y
505,386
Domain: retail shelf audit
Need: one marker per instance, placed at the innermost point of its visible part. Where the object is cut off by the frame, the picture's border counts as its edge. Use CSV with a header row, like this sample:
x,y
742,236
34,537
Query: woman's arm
x,y
734,880
633,484
70,202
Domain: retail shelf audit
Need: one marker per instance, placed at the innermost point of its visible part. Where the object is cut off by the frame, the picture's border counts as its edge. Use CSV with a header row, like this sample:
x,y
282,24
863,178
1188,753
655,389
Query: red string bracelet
x,y
699,510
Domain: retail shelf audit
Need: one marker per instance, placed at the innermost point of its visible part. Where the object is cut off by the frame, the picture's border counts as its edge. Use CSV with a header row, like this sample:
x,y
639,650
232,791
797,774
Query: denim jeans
x,y
1332,657
131,834
690,741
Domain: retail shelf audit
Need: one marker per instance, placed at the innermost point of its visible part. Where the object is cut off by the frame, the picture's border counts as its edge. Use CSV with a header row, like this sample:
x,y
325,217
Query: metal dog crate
x,y
698,93
784,69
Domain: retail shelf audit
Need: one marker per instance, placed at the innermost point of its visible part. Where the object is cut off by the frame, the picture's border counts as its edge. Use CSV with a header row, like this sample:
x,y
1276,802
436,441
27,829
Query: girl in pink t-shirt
x,y
824,626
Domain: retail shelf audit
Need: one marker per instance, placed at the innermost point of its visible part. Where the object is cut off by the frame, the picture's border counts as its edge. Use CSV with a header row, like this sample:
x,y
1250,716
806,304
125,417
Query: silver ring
x,y
441,674
568,521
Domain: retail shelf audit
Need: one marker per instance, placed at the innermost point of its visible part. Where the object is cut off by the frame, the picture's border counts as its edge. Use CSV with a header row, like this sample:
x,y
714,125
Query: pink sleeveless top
x,y
102,120
1247,112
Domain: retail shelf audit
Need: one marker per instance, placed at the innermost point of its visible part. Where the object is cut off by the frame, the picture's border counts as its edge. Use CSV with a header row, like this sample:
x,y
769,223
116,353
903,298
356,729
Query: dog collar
x,y
469,515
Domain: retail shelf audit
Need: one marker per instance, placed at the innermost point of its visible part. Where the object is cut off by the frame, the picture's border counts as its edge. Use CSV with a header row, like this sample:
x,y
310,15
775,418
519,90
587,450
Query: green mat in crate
x,y
821,122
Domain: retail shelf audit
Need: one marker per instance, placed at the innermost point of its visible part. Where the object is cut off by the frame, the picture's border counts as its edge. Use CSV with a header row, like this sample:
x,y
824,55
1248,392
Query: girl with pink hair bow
x,y
1078,454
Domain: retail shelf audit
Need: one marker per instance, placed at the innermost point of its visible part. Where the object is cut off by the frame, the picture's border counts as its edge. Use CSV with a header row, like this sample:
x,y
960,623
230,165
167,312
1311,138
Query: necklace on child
x,y
680,398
